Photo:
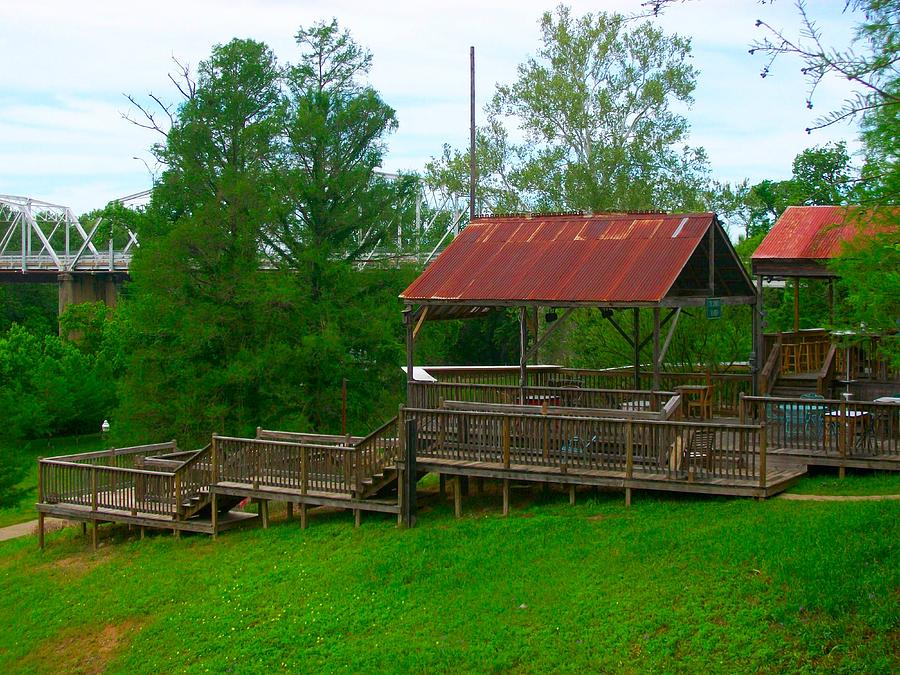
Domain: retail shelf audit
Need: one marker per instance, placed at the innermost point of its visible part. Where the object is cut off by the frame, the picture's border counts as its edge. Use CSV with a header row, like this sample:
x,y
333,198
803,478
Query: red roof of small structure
x,y
809,233
622,257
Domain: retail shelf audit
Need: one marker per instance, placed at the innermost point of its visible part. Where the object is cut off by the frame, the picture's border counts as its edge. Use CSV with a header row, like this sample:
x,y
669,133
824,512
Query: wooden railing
x,y
305,467
769,372
133,480
107,487
832,427
826,372
676,450
432,394
379,450
727,387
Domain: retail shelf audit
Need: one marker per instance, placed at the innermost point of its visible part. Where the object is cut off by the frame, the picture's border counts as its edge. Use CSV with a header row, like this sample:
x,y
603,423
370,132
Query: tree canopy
x,y
594,110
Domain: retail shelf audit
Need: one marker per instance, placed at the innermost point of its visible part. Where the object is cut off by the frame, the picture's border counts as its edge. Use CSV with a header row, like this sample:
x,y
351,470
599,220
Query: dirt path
x,y
25,529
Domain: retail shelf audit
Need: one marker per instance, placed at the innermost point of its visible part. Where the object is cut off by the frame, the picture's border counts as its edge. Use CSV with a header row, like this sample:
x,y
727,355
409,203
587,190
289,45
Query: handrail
x,y
100,467
383,427
826,372
575,418
767,374
118,452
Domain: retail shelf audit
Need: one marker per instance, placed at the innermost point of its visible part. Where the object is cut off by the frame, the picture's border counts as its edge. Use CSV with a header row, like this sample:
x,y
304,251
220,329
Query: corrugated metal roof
x,y
810,233
564,258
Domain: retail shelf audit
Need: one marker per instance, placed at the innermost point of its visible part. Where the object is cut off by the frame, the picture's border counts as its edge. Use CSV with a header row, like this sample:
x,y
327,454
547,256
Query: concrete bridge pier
x,y
78,288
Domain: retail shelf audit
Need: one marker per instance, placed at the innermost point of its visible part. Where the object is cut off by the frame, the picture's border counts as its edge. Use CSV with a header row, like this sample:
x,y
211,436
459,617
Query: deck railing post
x,y
506,442
178,501
629,449
742,413
304,470
93,488
410,475
40,493
763,448
843,437
214,459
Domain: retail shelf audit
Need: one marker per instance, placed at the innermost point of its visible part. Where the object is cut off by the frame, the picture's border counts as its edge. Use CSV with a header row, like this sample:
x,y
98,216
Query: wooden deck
x,y
777,480
631,447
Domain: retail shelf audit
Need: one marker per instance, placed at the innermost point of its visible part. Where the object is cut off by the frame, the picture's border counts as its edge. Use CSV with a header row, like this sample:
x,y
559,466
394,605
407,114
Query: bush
x,y
49,387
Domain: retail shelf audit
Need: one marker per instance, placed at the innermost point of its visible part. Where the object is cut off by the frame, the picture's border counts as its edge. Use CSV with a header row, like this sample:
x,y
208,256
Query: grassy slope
x,y
826,482
26,453
671,584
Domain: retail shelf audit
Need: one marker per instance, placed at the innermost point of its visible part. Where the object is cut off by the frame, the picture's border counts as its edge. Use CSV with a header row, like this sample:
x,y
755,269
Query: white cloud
x,y
67,64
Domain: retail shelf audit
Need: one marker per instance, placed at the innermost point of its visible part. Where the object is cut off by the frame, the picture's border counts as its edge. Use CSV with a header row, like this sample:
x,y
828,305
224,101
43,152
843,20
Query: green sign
x,y
714,308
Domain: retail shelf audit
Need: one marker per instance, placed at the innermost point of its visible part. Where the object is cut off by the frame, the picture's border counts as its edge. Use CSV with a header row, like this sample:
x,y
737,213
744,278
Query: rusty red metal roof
x,y
603,258
810,233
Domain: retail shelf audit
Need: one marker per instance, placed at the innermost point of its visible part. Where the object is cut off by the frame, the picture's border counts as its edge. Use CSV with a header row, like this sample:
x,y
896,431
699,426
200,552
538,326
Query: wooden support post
x,y
83,529
410,473
142,531
523,355
637,347
457,497
303,516
758,341
40,496
464,486
401,480
442,486
627,497
572,494
656,364
796,304
214,514
357,516
94,534
290,510
506,496
264,512
410,355
41,530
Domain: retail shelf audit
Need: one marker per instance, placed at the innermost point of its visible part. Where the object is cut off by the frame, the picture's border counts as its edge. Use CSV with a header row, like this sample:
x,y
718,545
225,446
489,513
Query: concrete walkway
x,y
25,529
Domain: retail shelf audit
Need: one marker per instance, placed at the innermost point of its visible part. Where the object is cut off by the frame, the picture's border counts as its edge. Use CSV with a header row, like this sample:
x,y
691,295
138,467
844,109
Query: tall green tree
x,y
595,108
192,311
822,175
336,132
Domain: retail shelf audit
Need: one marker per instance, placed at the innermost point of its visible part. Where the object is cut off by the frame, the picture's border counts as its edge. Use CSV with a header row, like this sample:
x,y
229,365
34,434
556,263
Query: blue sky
x,y
67,65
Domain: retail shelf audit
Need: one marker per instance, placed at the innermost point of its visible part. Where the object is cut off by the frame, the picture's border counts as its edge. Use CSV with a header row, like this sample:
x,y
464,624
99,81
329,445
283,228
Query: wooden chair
x,y
700,450
702,403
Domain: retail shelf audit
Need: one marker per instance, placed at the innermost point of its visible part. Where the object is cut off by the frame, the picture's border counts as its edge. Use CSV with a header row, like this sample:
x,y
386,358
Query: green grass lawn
x,y
826,482
671,584
26,454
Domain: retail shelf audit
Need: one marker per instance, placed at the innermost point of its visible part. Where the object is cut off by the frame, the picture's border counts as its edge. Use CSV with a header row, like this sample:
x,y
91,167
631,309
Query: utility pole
x,y
471,134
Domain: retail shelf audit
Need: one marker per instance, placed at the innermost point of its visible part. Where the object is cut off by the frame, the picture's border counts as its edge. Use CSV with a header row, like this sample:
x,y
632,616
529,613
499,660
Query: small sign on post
x,y
714,308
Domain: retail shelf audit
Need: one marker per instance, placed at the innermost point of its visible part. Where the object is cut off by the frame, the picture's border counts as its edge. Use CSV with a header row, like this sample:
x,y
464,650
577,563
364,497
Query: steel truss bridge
x,y
45,242
40,241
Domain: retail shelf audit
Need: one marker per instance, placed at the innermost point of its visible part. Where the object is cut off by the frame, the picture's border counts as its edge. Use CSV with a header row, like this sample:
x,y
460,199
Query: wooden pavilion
x,y
800,246
661,262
